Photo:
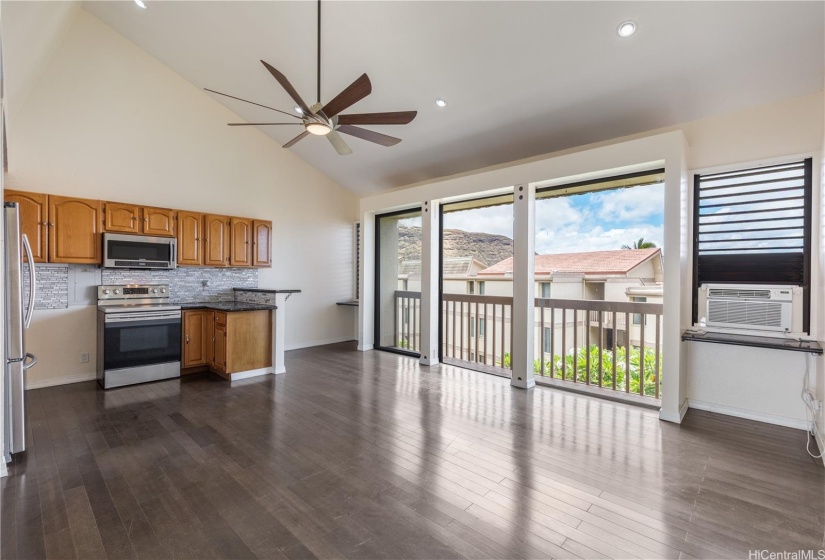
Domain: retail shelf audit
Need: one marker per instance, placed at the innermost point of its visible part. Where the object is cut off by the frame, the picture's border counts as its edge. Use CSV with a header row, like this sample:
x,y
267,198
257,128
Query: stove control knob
x,y
163,290
117,291
154,290
105,291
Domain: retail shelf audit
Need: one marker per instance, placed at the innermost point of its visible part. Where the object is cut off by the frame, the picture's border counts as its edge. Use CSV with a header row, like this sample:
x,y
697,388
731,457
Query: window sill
x,y
754,341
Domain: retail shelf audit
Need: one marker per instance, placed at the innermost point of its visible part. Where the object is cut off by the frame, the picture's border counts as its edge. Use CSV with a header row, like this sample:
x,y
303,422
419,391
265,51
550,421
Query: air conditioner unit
x,y
751,307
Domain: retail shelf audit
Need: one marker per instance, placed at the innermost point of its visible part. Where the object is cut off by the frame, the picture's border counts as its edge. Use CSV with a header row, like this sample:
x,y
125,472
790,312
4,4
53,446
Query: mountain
x,y
486,247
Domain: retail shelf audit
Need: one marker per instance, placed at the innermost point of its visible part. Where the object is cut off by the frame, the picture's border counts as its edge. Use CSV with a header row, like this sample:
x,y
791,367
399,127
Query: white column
x,y
429,282
523,317
366,300
279,334
678,289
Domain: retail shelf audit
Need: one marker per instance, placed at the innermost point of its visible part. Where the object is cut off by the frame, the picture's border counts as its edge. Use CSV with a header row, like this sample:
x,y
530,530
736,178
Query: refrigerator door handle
x,y
29,364
32,283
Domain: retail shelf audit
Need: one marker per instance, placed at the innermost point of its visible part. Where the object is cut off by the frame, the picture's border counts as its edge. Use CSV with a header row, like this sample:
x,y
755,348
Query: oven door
x,y
136,339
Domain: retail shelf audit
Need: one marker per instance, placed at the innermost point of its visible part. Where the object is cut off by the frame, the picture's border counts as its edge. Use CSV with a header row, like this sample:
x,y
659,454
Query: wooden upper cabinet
x,y
34,221
241,239
216,243
158,221
74,230
261,243
121,218
190,238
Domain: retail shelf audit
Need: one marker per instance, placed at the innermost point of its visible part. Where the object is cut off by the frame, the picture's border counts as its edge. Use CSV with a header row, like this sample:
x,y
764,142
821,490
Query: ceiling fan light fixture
x,y
440,102
626,28
318,129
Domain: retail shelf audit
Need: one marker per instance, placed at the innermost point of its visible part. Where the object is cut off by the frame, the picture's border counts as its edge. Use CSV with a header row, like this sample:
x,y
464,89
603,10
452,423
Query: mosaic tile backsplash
x,y
52,290
189,284
255,297
185,284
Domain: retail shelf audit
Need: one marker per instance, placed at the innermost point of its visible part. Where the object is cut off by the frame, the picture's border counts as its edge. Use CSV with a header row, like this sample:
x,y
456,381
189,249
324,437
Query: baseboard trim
x,y
819,441
250,373
324,342
675,418
4,471
365,347
62,380
799,424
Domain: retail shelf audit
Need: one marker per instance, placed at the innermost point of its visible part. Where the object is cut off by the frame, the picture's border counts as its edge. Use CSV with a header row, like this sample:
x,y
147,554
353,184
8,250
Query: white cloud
x,y
495,219
575,240
633,204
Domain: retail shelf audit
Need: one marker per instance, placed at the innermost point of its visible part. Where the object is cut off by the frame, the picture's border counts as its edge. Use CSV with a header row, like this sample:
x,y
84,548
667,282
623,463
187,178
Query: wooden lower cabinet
x,y
226,342
197,338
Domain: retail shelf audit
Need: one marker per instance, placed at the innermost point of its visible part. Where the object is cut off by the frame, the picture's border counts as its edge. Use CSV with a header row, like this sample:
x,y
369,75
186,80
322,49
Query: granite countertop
x,y
227,306
264,290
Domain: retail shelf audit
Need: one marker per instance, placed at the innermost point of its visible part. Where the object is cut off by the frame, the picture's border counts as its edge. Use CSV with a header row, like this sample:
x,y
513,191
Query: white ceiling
x,y
521,78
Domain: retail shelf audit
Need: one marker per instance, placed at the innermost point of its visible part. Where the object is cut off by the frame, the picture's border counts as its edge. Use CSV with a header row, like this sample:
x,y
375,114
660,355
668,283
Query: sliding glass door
x,y
398,281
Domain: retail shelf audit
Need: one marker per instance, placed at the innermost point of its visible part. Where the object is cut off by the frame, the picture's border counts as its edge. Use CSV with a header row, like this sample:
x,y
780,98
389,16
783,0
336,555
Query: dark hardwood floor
x,y
368,455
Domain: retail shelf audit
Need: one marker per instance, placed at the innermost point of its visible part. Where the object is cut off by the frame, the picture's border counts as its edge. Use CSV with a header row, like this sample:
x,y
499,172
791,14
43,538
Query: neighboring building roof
x,y
595,262
453,266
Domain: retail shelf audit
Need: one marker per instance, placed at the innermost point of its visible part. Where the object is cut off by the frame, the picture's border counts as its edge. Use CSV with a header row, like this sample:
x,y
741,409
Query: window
x,y
481,287
753,226
472,326
481,327
637,317
548,349
545,290
471,287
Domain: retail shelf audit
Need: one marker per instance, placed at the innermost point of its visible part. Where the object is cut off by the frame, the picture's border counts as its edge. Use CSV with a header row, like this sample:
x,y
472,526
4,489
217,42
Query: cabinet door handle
x,y
187,339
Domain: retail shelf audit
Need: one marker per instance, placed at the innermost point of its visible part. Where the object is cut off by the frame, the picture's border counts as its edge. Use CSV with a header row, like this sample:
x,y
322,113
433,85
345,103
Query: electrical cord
x,y
809,398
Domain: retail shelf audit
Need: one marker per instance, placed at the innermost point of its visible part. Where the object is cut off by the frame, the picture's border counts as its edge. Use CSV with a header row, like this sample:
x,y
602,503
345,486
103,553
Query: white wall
x,y
767,388
762,384
106,120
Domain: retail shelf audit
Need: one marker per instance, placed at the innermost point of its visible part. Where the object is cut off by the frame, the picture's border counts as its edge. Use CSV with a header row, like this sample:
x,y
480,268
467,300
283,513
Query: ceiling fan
x,y
326,119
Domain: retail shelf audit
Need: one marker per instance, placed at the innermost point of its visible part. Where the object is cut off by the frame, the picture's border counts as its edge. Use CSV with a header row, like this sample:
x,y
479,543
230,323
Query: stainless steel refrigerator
x,y
18,319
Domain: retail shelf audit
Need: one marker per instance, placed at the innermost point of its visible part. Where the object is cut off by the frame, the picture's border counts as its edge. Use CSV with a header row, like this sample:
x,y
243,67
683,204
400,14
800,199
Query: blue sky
x,y
597,221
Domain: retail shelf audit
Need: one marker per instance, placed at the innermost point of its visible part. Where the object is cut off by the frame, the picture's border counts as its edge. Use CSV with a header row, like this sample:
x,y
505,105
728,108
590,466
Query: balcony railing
x,y
611,345
616,345
408,320
477,329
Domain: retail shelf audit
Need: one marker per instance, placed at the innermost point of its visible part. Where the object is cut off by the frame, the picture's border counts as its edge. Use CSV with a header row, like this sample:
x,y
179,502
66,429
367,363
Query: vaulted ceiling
x,y
520,78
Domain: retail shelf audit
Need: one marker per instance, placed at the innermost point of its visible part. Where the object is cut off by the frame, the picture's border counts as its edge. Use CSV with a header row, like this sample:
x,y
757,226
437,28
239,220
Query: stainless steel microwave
x,y
139,251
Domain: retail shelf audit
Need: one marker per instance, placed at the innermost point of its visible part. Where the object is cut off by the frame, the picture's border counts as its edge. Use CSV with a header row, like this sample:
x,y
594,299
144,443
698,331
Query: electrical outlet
x,y
84,358
817,405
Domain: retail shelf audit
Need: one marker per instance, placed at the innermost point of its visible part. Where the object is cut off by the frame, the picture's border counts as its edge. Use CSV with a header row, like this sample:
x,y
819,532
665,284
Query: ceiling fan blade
x,y
354,93
288,87
295,140
398,117
369,135
253,103
264,123
339,144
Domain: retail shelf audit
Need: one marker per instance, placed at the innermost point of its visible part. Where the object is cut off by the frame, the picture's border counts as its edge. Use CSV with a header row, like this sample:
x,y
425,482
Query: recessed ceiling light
x,y
440,102
626,28
299,110
141,4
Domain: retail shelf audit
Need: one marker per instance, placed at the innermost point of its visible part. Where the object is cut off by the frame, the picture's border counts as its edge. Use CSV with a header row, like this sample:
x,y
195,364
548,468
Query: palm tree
x,y
640,244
